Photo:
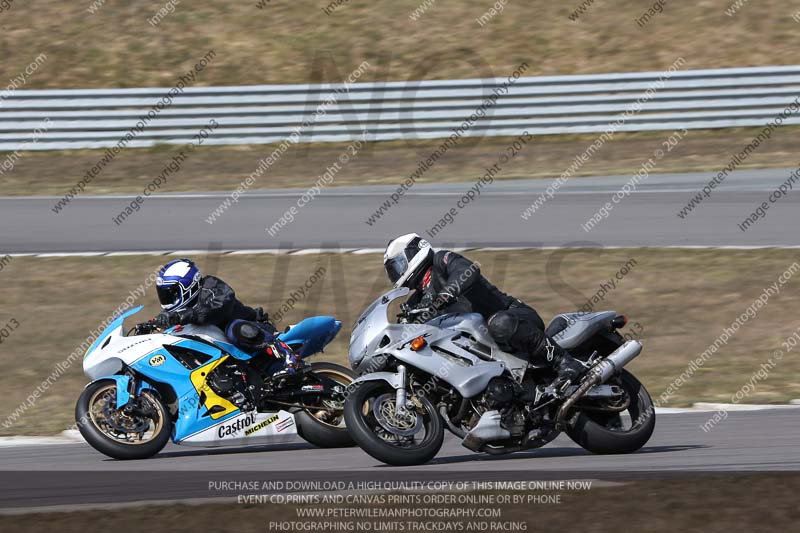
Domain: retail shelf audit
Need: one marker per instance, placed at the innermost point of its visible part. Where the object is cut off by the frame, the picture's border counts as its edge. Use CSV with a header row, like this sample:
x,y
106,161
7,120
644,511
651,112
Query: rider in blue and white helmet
x,y
188,297
178,285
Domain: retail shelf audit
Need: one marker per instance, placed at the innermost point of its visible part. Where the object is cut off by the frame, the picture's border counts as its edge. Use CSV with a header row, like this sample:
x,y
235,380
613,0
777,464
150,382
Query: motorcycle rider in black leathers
x,y
447,282
187,297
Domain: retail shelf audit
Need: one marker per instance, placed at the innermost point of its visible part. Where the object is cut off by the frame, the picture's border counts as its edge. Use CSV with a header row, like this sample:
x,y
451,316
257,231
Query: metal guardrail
x,y
259,114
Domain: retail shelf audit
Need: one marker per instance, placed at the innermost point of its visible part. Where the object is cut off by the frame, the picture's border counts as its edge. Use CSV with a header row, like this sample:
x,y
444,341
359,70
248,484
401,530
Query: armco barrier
x,y
259,114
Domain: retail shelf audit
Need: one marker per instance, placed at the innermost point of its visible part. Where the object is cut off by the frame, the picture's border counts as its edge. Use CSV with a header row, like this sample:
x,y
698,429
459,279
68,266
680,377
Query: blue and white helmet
x,y
178,284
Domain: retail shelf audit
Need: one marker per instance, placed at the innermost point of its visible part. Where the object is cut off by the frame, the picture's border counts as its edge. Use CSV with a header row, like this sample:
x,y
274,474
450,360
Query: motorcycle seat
x,y
570,330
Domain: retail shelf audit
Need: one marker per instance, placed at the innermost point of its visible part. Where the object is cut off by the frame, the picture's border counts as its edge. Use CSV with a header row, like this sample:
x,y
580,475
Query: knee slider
x,y
502,327
246,334
249,332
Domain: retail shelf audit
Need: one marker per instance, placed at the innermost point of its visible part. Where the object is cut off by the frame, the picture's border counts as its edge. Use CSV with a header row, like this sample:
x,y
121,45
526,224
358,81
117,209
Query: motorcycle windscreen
x,y
111,327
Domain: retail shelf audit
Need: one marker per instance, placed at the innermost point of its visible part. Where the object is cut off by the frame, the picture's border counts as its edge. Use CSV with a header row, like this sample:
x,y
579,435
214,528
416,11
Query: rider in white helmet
x,y
447,282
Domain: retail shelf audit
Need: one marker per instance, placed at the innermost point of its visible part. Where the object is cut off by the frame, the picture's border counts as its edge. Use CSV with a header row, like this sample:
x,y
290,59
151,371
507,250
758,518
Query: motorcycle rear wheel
x,y
325,428
604,433
104,426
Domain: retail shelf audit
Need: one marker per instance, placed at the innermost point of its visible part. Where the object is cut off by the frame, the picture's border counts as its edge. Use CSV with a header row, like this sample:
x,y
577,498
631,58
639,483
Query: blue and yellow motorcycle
x,y
191,385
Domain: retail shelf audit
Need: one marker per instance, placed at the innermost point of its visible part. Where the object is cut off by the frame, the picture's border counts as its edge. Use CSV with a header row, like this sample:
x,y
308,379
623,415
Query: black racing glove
x,y
145,328
261,315
165,320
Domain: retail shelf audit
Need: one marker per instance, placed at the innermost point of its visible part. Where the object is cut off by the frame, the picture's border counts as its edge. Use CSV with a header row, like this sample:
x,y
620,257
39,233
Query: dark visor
x,y
169,294
396,267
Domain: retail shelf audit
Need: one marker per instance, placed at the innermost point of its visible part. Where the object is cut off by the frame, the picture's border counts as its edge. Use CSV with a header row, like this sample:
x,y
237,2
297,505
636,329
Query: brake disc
x,y
404,424
124,423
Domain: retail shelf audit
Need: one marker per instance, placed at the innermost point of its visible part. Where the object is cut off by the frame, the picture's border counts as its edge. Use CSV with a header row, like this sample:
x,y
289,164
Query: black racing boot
x,y
570,368
567,367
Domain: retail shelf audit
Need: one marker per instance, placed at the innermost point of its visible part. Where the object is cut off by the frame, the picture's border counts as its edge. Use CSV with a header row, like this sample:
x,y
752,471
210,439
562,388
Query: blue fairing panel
x,y
123,384
123,387
235,351
312,334
192,414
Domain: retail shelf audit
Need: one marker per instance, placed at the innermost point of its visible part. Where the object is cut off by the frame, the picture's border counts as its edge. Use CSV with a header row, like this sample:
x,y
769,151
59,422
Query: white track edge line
x,y
359,251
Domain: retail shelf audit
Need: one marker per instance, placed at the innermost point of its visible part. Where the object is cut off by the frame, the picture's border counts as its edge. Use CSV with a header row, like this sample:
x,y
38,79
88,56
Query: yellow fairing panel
x,y
199,376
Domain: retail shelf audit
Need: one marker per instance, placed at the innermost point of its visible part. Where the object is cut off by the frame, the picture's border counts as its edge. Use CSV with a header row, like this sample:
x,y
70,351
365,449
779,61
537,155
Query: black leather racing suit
x,y
217,305
455,284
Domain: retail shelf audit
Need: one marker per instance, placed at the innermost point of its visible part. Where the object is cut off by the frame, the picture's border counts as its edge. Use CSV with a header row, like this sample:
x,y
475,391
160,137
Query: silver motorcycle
x,y
419,376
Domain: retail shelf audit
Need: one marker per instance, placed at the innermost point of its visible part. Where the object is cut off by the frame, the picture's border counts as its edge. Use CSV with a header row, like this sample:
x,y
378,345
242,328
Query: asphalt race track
x,y
70,474
337,218
74,474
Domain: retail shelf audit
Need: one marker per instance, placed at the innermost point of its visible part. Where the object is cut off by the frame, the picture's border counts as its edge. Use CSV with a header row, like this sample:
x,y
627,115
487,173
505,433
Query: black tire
x,y
318,432
107,445
590,433
362,432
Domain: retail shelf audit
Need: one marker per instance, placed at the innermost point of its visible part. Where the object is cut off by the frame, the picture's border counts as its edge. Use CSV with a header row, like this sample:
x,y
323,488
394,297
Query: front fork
x,y
128,387
401,398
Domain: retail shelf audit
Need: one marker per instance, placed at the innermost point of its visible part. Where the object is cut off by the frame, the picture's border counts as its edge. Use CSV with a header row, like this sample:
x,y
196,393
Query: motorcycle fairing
x,y
116,324
216,406
581,327
311,335
467,373
195,401
245,428
200,412
476,339
196,422
373,334
212,335
307,337
199,407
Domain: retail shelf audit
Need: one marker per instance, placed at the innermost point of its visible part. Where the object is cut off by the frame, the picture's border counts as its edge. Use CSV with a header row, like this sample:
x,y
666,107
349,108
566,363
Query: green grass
x,y
683,299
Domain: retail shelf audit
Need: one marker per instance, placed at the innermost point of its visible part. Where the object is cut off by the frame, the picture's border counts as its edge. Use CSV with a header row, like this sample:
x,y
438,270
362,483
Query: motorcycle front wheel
x,y
411,437
137,432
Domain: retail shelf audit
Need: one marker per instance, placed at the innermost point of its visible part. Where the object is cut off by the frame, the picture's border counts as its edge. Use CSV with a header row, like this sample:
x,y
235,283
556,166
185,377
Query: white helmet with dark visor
x,y
406,259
